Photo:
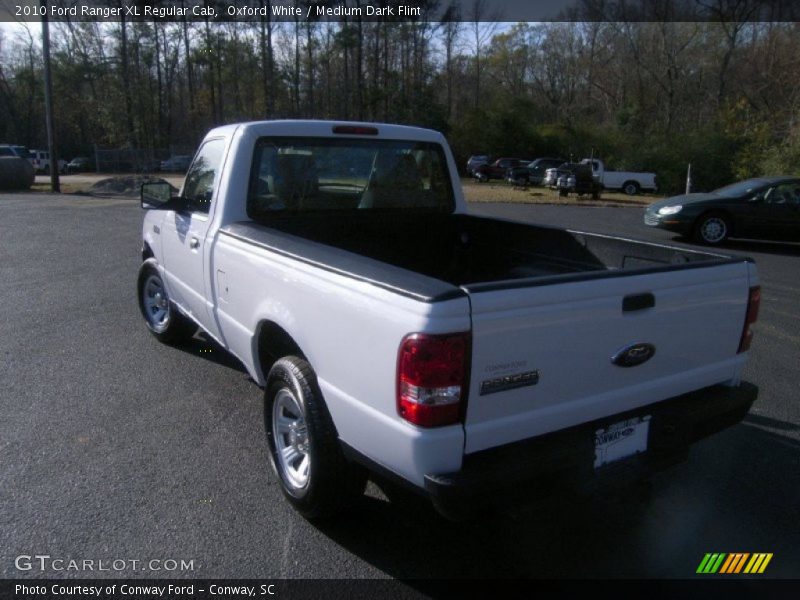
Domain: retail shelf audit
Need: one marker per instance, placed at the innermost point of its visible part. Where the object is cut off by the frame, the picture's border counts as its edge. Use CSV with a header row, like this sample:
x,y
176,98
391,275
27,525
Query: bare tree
x,y
125,78
484,25
267,60
451,28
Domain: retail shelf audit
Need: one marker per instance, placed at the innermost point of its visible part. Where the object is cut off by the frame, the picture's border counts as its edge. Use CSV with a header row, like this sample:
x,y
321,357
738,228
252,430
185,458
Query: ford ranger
x,y
395,333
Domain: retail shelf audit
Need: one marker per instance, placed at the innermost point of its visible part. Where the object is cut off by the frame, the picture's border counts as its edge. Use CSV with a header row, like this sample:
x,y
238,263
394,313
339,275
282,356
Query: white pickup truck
x,y
627,181
394,332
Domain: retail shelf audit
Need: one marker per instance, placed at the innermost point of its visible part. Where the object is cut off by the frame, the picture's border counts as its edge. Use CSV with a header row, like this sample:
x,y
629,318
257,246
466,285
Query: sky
x,y
11,30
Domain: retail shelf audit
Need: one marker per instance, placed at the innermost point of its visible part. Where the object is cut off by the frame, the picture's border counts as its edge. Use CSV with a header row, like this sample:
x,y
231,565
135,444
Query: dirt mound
x,y
127,185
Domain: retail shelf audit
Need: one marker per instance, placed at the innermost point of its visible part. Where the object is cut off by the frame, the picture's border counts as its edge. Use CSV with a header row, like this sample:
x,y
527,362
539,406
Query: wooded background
x,y
654,96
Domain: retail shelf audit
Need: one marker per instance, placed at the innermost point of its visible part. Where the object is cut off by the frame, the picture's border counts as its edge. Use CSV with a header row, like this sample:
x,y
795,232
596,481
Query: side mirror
x,y
157,195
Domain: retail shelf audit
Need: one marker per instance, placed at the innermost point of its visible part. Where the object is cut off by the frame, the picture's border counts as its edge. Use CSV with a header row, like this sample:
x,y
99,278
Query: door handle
x,y
194,243
636,302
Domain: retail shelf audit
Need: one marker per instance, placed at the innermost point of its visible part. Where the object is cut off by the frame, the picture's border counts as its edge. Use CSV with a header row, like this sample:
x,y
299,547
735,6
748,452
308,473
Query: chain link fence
x,y
135,160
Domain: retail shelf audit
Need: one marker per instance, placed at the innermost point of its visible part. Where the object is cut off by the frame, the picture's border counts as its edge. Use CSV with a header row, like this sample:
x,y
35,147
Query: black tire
x,y
171,328
332,483
563,192
711,229
631,188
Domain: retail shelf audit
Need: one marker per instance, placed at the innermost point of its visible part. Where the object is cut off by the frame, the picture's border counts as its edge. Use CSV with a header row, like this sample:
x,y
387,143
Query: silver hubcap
x,y
630,190
156,303
713,229
291,438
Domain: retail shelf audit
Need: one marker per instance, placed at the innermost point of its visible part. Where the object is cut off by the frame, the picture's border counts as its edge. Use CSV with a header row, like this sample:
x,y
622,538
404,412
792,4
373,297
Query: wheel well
x,y
147,252
636,183
720,212
273,344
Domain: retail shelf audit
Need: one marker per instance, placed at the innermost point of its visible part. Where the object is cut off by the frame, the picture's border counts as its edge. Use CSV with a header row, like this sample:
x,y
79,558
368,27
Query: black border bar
x,y
705,587
509,11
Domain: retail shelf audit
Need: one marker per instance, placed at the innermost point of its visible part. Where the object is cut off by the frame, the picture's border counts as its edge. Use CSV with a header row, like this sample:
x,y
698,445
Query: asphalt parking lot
x,y
113,446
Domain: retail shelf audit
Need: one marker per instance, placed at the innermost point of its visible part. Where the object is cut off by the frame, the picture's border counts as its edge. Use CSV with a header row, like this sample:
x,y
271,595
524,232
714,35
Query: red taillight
x,y
432,376
355,130
753,304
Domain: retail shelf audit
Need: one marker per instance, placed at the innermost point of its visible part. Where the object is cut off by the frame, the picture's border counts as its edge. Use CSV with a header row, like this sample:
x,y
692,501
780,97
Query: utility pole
x,y
55,184
689,179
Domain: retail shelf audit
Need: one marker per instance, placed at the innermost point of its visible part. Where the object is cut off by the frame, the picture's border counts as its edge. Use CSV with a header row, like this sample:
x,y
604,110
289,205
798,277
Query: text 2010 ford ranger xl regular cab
x,y
394,332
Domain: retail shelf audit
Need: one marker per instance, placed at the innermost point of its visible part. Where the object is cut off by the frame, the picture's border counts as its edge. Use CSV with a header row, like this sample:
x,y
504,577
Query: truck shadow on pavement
x,y
739,491
201,344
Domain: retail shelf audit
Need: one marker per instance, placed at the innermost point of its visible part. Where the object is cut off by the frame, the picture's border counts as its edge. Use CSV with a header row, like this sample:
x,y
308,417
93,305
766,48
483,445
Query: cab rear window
x,y
322,174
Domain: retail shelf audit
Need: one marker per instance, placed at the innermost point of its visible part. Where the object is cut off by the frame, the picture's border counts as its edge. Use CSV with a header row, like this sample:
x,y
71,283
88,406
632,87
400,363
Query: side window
x,y
786,193
199,186
790,193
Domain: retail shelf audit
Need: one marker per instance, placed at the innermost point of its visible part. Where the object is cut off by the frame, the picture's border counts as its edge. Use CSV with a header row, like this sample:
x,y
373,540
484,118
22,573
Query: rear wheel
x,y
631,188
315,476
712,228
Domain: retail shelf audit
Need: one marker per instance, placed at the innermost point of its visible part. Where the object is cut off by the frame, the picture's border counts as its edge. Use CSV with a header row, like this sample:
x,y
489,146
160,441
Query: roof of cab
x,y
314,128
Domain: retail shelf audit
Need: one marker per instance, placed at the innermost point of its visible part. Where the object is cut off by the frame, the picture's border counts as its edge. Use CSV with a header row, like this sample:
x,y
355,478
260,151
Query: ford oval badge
x,y
634,354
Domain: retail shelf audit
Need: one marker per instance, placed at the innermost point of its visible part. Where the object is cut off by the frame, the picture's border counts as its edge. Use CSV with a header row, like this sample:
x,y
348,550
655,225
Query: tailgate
x,y
542,354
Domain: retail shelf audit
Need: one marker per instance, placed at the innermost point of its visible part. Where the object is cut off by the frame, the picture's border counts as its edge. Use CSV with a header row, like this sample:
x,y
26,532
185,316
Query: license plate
x,y
620,440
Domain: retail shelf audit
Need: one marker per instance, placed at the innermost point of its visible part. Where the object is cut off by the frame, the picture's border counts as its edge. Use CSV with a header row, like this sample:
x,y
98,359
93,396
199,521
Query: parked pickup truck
x,y
396,333
629,182
533,172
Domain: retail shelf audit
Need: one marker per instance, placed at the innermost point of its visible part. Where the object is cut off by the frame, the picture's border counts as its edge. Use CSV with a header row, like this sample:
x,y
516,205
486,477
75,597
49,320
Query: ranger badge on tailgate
x,y
509,382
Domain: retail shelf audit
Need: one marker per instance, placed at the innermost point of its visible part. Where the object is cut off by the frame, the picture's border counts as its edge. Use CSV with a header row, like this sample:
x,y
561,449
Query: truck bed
x,y
437,256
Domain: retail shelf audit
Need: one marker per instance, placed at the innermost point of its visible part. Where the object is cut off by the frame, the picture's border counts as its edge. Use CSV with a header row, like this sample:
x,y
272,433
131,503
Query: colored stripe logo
x,y
734,563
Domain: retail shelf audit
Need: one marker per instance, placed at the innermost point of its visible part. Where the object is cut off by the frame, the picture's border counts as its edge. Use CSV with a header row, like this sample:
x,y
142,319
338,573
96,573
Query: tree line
x,y
723,95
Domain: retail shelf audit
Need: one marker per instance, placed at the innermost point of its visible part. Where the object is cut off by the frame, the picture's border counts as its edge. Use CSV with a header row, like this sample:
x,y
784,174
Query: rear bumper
x,y
499,475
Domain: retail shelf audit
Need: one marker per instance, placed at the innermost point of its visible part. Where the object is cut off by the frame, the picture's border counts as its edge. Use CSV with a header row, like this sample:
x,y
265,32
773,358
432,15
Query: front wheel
x,y
161,316
712,229
315,476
